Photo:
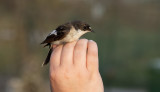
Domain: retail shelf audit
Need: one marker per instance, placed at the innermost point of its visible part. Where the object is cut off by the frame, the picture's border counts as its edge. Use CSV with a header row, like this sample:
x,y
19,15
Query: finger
x,y
54,46
92,56
80,53
67,54
55,57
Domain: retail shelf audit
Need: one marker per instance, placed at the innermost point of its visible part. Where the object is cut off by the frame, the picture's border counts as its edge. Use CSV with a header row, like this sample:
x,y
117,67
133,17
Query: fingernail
x,y
91,41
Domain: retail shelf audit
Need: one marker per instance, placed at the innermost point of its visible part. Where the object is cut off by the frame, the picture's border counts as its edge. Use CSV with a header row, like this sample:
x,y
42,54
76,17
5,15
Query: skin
x,y
74,67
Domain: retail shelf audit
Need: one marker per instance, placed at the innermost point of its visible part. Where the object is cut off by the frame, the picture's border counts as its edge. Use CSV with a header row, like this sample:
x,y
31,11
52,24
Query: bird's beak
x,y
92,31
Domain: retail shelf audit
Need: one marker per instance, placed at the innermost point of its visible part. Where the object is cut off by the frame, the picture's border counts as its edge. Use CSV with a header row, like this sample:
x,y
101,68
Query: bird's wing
x,y
55,35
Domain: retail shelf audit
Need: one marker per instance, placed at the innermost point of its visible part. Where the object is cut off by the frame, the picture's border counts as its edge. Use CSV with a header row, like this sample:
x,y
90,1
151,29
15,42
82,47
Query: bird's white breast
x,y
73,35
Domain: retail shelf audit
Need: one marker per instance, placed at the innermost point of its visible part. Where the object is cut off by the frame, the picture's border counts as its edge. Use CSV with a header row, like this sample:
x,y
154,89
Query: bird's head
x,y
82,26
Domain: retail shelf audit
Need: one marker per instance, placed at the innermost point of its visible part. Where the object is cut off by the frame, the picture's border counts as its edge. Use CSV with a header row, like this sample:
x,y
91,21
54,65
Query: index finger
x,y
55,56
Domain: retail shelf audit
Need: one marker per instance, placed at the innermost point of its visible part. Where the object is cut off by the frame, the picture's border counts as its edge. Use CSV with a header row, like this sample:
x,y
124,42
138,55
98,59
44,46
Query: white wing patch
x,y
53,32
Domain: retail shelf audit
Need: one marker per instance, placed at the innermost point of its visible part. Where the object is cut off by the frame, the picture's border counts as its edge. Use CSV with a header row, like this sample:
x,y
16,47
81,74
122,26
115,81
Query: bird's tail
x,y
47,58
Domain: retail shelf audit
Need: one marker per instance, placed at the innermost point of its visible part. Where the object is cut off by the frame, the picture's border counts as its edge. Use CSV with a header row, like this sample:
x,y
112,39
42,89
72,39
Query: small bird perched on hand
x,y
65,33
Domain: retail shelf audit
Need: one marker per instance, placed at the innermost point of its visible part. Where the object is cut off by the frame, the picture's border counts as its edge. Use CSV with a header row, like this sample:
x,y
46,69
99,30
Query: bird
x,y
65,33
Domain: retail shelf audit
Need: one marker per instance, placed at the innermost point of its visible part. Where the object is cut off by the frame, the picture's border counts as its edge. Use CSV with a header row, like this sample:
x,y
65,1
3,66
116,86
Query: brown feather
x,y
47,58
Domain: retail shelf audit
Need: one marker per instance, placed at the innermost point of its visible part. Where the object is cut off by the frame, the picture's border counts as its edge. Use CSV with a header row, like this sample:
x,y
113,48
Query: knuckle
x,y
82,75
81,72
53,76
66,70
56,74
67,75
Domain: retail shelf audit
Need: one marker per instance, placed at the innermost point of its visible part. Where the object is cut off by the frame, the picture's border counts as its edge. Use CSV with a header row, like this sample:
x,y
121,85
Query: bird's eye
x,y
86,27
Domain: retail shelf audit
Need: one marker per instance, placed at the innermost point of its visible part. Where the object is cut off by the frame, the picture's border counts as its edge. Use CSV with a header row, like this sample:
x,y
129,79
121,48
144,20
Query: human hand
x,y
74,68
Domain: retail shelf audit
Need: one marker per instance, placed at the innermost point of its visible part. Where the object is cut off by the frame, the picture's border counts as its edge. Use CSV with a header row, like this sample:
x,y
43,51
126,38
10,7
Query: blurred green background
x,y
127,33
